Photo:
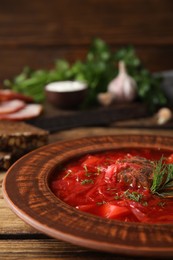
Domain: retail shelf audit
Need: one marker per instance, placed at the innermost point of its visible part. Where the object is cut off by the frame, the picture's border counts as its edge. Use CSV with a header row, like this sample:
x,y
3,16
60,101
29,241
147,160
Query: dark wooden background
x,y
36,32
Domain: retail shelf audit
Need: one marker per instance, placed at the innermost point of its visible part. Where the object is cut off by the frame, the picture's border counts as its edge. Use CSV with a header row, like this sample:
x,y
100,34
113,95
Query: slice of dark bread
x,y
18,138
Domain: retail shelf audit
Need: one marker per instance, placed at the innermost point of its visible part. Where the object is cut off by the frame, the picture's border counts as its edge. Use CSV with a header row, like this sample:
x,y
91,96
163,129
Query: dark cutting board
x,y
55,120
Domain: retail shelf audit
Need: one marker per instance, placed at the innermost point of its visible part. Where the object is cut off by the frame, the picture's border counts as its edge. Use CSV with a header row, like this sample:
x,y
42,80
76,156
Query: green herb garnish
x,y
87,181
87,173
162,179
161,204
117,197
145,203
136,196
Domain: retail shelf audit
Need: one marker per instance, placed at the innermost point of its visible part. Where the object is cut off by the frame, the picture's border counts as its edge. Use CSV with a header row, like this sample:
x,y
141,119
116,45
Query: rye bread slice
x,y
20,136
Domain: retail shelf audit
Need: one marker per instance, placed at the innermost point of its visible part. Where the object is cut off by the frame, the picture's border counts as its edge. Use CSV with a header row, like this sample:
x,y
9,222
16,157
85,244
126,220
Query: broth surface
x,y
116,184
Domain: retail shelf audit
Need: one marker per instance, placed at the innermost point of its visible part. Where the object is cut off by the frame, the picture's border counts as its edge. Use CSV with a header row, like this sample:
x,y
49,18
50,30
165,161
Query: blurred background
x,y
34,33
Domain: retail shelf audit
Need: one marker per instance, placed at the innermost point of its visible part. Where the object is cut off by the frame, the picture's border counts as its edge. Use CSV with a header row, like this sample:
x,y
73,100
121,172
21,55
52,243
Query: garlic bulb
x,y
123,87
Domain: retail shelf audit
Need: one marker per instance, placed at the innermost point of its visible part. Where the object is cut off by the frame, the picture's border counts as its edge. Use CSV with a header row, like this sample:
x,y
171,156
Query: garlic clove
x,y
123,87
164,115
105,99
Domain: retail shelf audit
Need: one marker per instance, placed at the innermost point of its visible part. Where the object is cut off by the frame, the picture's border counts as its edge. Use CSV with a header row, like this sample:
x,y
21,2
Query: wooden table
x,y
20,241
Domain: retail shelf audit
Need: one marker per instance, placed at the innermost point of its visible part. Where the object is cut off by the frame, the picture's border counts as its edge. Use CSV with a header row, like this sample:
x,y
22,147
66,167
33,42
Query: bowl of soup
x,y
109,193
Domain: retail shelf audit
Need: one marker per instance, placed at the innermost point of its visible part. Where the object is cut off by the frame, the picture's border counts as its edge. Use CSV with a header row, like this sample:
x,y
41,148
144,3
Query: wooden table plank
x,y
52,249
95,131
9,222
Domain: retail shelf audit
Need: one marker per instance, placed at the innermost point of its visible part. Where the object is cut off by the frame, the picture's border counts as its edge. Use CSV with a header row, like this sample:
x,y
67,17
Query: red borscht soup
x,y
131,185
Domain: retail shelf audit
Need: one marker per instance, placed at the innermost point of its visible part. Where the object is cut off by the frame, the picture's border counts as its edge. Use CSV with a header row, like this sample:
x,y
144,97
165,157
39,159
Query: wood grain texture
x,y
35,33
97,131
34,202
51,249
10,223
66,23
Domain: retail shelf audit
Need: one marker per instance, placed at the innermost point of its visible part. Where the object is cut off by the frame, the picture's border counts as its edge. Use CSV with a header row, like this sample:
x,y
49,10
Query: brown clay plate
x,y
26,189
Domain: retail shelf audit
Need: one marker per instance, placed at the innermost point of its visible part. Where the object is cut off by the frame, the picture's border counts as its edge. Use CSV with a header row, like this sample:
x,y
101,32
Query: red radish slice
x,y
29,111
7,94
11,106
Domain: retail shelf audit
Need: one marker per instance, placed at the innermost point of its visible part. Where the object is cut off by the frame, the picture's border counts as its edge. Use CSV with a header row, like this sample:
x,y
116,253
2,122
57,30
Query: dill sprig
x,y
162,179
87,181
133,195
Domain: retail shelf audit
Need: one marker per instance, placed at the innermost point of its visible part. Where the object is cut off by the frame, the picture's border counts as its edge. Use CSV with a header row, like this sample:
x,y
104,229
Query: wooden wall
x,y
36,32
